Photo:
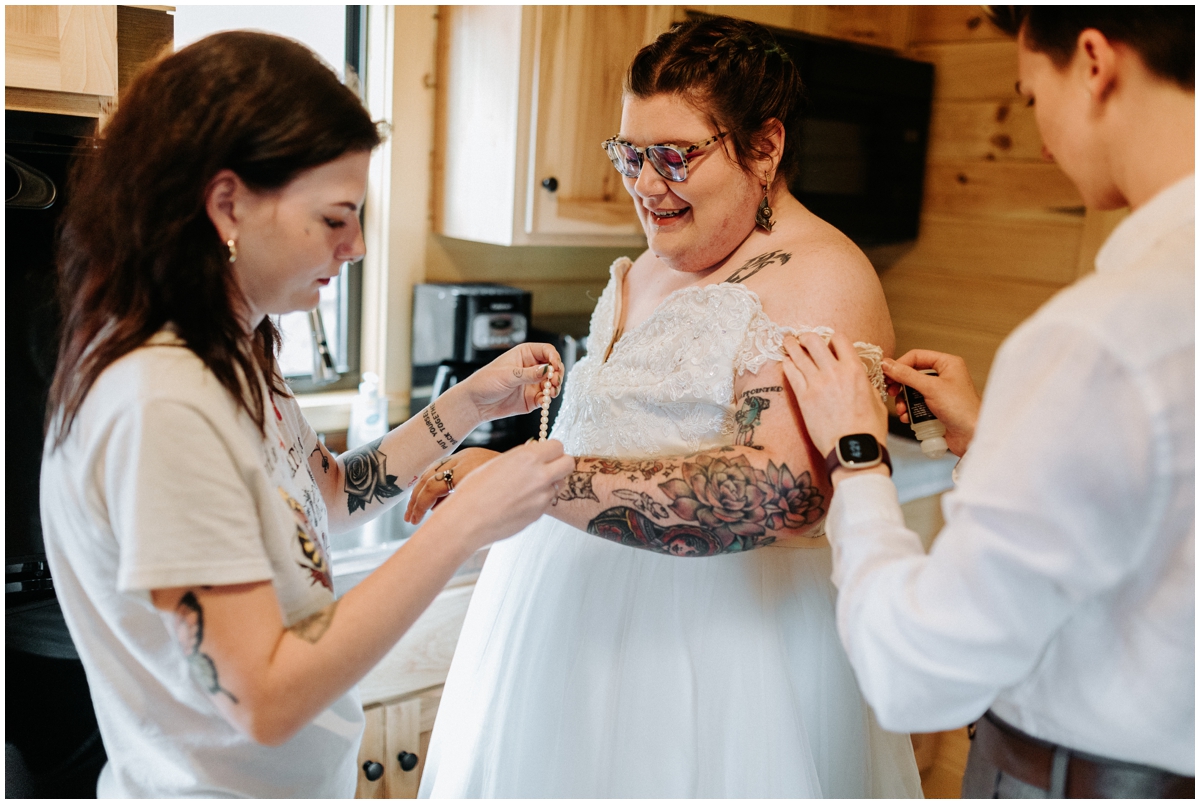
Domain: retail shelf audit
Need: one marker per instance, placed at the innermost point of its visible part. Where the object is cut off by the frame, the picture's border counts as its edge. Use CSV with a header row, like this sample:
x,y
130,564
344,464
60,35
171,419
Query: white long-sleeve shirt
x,y
1061,592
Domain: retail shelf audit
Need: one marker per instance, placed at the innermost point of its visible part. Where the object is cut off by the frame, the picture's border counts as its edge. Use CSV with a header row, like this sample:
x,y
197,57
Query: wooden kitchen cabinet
x,y
74,60
526,94
61,48
392,732
60,59
401,696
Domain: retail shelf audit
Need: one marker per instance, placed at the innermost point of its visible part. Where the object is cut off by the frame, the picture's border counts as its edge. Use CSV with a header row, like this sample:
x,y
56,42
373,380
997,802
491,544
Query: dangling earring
x,y
763,216
232,244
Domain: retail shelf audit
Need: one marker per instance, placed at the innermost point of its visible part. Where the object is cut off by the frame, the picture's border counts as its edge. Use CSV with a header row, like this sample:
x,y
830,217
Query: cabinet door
x,y
581,54
372,750
403,736
61,48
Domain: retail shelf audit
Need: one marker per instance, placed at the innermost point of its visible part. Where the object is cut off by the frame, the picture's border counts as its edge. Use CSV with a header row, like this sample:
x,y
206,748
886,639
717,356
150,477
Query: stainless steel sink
x,y
356,553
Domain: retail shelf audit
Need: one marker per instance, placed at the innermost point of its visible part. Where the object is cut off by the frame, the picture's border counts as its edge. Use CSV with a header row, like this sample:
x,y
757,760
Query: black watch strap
x,y
833,460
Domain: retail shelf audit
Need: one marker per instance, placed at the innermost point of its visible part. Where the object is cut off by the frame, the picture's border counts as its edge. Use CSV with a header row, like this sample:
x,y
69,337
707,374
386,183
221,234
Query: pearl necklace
x,y
545,428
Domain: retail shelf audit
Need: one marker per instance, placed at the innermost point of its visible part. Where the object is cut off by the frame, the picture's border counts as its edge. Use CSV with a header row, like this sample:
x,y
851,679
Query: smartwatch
x,y
860,451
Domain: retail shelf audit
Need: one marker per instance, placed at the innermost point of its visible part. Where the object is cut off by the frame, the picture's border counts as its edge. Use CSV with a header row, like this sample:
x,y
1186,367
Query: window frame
x,y
350,282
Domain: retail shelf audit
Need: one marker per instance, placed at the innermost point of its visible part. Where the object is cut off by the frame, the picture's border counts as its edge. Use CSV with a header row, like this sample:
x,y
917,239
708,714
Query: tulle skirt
x,y
587,669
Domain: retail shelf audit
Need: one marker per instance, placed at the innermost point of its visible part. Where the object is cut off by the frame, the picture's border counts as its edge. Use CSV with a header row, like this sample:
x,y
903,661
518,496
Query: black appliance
x,y
52,744
863,138
459,328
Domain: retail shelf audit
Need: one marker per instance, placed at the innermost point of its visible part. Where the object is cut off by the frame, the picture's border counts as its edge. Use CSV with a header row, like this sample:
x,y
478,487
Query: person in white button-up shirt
x,y
1061,592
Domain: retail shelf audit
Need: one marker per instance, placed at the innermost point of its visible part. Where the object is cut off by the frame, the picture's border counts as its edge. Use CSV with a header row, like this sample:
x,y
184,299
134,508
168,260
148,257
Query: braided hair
x,y
733,71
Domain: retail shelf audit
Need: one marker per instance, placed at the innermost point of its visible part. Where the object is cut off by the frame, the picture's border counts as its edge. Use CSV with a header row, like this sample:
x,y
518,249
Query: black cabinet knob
x,y
550,184
407,761
372,770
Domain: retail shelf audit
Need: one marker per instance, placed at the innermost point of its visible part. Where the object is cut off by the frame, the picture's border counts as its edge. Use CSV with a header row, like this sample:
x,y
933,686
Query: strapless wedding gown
x,y
587,669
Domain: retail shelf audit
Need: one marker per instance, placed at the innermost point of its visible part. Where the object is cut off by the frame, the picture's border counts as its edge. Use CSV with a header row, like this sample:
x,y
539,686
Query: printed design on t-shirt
x,y
314,509
310,545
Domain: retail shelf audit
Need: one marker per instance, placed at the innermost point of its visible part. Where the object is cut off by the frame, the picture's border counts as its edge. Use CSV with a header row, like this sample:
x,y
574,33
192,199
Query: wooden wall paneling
x,y
939,24
975,347
971,70
1038,251
373,749
142,33
987,129
881,26
402,731
1015,190
61,48
774,16
983,304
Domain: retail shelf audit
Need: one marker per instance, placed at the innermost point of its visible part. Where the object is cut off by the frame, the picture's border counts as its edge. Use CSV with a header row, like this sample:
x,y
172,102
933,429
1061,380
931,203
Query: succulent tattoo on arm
x,y
366,477
728,505
189,630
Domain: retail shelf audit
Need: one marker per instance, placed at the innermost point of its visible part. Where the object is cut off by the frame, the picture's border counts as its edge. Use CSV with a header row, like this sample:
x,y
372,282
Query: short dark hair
x,y
735,72
137,249
1164,36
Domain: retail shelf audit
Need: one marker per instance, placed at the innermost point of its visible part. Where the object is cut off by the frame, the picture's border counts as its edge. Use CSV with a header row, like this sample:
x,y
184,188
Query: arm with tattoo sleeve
x,y
723,500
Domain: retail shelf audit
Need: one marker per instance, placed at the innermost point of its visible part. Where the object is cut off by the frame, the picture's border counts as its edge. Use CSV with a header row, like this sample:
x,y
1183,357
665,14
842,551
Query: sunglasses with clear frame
x,y
670,161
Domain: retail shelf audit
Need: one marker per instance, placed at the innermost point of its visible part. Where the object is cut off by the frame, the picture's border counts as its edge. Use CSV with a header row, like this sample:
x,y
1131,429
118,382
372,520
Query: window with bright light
x,y
335,34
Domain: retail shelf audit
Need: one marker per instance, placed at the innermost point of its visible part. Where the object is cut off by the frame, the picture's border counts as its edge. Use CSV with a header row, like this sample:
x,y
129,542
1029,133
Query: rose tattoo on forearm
x,y
366,476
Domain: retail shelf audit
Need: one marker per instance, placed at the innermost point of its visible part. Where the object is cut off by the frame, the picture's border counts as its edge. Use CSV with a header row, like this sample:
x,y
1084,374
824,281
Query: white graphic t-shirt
x,y
165,482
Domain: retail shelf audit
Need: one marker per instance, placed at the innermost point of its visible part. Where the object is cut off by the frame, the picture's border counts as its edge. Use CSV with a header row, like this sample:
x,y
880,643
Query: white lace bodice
x,y
667,385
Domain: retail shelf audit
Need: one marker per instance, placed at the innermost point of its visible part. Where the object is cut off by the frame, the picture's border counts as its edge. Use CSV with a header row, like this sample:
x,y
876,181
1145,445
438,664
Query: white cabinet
x,y
526,94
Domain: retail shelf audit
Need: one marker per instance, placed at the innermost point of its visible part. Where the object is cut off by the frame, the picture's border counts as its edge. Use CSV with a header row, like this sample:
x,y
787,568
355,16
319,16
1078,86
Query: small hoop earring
x,y
762,218
232,244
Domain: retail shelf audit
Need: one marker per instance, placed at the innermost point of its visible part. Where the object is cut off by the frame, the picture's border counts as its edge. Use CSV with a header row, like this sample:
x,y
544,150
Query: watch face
x,y
858,449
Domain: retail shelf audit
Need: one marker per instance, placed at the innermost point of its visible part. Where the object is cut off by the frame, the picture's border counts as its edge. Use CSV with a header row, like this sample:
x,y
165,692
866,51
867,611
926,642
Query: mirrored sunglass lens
x,y
669,162
624,159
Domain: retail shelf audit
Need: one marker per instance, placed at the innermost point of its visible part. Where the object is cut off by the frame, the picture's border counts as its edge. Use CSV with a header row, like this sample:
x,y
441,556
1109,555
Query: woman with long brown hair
x,y
185,500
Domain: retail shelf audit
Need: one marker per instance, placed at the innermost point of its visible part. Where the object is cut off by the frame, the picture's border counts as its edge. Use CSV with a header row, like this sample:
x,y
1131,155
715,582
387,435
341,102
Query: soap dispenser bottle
x,y
368,413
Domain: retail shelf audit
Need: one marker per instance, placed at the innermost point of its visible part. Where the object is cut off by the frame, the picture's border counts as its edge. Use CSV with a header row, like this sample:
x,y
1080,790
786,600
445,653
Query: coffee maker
x,y
458,329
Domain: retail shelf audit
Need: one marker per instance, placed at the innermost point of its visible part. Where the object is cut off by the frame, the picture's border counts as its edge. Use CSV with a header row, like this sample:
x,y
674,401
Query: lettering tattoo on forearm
x,y
728,505
314,626
756,264
749,415
189,630
367,480
437,429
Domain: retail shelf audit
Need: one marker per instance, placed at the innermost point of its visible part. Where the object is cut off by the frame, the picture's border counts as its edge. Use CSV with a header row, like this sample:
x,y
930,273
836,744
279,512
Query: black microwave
x,y
864,136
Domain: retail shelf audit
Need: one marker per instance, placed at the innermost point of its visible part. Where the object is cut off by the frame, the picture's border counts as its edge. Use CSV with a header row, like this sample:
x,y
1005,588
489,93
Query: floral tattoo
x,y
366,475
731,502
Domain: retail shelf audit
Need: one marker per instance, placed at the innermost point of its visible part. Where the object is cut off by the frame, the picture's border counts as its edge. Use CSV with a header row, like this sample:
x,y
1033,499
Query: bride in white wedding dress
x,y
668,630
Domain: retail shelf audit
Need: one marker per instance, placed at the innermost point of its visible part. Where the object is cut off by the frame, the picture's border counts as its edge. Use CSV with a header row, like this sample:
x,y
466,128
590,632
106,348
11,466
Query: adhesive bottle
x,y
368,413
928,430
